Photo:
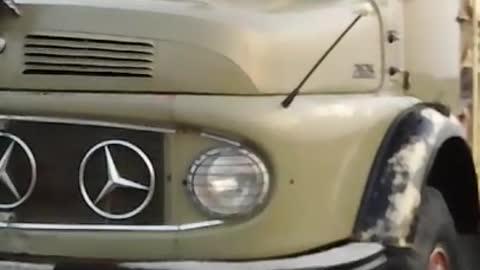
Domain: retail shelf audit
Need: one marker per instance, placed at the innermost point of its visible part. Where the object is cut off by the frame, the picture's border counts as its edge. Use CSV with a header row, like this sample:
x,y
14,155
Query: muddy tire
x,y
435,245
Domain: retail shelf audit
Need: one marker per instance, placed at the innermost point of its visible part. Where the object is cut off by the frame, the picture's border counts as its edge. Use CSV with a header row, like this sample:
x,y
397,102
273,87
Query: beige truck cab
x,y
222,134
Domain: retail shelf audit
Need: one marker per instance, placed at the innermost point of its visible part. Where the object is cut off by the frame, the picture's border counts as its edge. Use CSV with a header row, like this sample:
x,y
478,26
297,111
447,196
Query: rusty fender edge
x,y
352,256
399,172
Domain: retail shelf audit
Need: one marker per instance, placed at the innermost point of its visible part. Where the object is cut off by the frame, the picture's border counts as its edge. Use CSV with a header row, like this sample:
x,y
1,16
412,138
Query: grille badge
x,y
5,177
115,180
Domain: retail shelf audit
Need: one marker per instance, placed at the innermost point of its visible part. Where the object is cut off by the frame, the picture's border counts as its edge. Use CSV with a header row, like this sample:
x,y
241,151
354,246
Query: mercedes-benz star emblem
x,y
6,179
115,180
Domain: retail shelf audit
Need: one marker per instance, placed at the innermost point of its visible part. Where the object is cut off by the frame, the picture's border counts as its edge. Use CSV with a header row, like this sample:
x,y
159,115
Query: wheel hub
x,y
438,260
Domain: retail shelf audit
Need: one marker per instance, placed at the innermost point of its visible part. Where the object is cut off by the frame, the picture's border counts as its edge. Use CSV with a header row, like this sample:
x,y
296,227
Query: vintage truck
x,y
234,134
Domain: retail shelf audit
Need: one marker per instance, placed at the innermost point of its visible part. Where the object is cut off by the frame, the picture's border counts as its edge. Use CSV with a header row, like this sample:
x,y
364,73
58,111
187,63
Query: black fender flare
x,y
399,172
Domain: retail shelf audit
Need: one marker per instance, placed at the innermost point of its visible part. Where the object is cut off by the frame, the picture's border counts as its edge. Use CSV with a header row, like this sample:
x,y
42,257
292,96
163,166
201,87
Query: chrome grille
x,y
58,149
53,54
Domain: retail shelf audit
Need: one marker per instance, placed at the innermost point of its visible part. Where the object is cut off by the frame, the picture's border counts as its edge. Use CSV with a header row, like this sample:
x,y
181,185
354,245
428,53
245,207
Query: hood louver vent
x,y
47,54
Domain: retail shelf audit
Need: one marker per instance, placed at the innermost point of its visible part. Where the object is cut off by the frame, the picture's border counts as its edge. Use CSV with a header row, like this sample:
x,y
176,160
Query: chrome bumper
x,y
354,256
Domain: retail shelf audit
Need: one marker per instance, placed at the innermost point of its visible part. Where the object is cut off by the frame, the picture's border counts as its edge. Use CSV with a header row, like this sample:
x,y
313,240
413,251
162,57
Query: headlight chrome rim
x,y
261,200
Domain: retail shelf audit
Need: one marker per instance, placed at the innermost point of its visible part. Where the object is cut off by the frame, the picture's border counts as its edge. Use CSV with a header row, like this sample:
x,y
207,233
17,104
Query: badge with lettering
x,y
363,71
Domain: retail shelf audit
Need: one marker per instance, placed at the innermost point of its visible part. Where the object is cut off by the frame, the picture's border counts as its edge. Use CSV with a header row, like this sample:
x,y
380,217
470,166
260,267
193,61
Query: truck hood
x,y
191,46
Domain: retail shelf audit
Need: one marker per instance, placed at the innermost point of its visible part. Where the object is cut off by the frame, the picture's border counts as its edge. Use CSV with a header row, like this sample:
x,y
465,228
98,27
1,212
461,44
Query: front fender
x,y
320,151
400,170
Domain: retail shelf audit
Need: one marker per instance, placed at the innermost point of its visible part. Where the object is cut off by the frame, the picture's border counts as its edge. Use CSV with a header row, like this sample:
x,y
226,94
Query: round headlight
x,y
229,182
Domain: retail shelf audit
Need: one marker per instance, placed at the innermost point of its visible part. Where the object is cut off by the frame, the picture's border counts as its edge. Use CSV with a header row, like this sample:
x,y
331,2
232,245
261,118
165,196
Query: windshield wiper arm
x,y
289,99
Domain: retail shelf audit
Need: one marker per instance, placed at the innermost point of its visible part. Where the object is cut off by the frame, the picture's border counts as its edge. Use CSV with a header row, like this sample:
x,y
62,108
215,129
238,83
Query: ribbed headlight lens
x,y
229,182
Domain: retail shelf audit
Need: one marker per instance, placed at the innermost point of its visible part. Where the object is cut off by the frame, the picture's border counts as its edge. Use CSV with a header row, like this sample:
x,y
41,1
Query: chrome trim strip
x,y
109,124
220,139
341,256
116,228
12,6
85,122
184,266
16,265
